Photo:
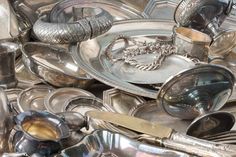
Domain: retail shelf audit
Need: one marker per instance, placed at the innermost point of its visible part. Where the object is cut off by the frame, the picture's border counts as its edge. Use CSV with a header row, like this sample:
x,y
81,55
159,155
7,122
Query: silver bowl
x,y
54,65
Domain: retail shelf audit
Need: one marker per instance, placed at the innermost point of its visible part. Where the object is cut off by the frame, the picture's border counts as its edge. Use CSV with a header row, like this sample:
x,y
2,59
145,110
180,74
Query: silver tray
x,y
33,98
56,100
119,10
103,143
90,54
121,101
153,112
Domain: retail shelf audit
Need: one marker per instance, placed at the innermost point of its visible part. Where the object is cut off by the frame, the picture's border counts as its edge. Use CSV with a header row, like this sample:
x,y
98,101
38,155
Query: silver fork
x,y
228,137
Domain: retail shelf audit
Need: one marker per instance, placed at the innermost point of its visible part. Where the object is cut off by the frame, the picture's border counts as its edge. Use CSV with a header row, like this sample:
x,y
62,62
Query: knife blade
x,y
132,123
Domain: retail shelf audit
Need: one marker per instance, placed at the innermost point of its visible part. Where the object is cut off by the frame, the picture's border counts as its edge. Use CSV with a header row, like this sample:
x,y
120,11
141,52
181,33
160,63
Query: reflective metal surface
x,y
105,143
197,91
12,95
54,65
6,123
192,43
39,132
153,112
33,98
205,87
85,23
90,56
195,14
121,101
24,76
9,24
7,66
118,9
56,100
199,13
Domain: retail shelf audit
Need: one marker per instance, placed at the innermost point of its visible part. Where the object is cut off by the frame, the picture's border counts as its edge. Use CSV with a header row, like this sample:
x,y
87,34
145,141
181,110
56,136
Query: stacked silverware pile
x,y
89,78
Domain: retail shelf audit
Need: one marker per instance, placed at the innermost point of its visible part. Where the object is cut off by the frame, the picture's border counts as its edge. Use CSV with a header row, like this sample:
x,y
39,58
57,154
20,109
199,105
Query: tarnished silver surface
x,y
39,132
196,92
33,98
74,120
12,95
24,76
119,10
7,66
90,55
195,14
90,23
104,143
54,65
121,101
161,9
192,43
152,111
9,25
55,101
6,122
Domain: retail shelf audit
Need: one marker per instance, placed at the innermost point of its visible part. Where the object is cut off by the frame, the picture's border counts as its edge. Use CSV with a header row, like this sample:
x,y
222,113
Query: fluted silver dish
x,y
54,65
33,98
55,101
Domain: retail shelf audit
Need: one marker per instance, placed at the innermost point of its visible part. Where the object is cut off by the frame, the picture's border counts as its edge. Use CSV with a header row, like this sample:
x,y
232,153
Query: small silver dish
x,y
33,98
103,143
55,101
82,104
191,42
121,101
54,65
39,132
153,112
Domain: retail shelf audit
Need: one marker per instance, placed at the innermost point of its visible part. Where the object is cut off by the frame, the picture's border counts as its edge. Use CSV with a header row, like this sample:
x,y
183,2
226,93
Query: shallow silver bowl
x,y
104,143
33,98
55,101
54,65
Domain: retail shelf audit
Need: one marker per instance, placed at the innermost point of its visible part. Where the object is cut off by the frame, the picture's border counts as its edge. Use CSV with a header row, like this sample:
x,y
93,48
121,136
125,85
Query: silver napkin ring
x,y
72,32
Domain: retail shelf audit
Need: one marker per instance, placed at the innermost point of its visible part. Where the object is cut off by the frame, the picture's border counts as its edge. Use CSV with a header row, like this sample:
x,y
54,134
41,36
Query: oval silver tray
x,y
90,54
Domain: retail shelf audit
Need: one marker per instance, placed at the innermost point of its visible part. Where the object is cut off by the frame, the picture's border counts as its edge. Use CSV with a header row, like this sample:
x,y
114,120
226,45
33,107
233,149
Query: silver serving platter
x,y
55,101
102,143
90,56
33,98
118,9
121,101
153,112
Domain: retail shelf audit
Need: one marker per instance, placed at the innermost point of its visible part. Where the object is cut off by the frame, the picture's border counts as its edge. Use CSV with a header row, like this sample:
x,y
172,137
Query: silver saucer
x,y
90,56
33,98
56,100
153,112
